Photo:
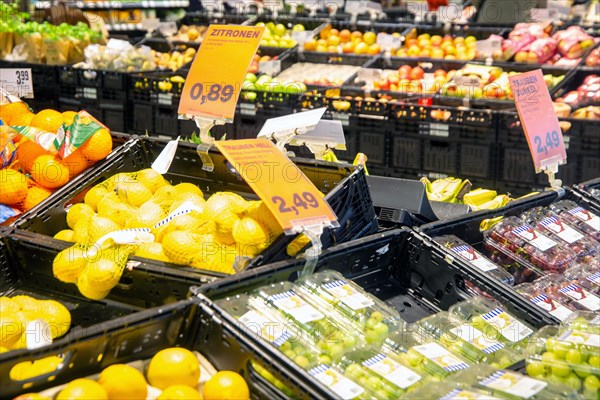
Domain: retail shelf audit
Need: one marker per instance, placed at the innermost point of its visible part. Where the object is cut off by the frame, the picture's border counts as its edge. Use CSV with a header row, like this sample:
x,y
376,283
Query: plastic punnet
x,y
555,305
569,292
585,321
449,391
587,275
581,218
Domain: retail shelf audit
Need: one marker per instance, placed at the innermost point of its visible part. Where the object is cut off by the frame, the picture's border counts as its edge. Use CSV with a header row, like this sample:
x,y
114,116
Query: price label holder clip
x,y
213,85
283,129
291,197
327,135
540,123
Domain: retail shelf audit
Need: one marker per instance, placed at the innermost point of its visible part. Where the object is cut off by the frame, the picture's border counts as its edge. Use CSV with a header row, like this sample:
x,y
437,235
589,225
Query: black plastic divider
x,y
468,229
591,191
346,188
398,266
102,332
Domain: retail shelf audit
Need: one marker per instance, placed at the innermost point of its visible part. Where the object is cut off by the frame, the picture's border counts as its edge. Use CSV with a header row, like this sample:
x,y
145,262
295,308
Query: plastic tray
x,y
392,266
591,191
348,190
467,228
102,332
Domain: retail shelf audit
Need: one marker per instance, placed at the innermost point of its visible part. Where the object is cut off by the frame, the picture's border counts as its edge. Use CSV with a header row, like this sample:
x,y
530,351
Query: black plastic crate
x,y
347,190
468,227
102,332
396,266
591,191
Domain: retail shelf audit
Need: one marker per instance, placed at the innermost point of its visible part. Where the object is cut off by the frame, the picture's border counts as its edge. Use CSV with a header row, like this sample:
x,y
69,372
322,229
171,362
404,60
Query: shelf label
x,y
272,67
288,193
17,82
515,384
539,120
215,79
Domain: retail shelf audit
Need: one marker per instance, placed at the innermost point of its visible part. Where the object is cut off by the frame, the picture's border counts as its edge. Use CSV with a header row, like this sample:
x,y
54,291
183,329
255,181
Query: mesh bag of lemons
x,y
17,312
186,228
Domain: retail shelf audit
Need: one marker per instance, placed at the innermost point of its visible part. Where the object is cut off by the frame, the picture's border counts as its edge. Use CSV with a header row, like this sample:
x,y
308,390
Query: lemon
x,y
56,315
66,234
186,197
81,389
223,208
226,385
181,246
224,236
148,215
77,212
164,194
260,212
151,179
31,396
26,302
297,245
248,231
216,257
152,250
100,226
134,193
104,274
69,263
81,232
11,329
113,208
4,349
179,392
186,187
8,305
121,177
123,382
173,366
89,289
28,369
94,195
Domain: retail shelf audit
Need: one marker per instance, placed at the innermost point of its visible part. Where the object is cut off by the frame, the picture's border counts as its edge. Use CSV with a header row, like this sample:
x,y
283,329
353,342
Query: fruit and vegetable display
x,y
267,83
593,59
189,33
318,74
459,191
406,79
279,35
446,47
586,93
37,160
172,373
568,356
20,314
331,40
172,223
119,55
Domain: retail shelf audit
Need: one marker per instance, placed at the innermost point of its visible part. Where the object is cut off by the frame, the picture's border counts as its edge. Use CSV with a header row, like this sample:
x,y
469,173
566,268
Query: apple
x,y
417,73
348,47
384,84
374,49
345,35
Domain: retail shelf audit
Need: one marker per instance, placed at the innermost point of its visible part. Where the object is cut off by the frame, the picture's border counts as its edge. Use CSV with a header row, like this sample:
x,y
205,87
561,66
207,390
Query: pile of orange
x,y
36,173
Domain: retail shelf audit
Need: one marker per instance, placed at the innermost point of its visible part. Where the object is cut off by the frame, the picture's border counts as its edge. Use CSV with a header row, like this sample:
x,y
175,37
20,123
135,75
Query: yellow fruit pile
x,y
18,311
174,371
206,234
35,173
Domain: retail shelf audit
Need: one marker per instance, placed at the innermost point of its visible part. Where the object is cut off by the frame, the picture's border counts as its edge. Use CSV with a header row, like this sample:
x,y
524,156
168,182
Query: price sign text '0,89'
x,y
538,119
286,191
214,82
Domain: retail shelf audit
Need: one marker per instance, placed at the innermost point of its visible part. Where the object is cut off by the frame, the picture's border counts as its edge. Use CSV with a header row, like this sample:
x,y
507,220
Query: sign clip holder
x,y
205,125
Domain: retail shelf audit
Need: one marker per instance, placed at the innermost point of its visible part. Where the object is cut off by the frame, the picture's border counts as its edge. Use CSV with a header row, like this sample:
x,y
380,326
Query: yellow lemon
x,y
123,382
179,392
173,366
11,329
151,179
134,193
78,211
89,289
66,234
152,250
56,315
100,226
182,246
94,195
81,232
8,305
248,231
186,187
226,385
81,389
69,263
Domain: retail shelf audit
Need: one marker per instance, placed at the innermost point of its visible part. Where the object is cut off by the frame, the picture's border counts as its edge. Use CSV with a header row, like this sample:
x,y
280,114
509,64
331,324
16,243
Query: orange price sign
x,y
215,79
286,191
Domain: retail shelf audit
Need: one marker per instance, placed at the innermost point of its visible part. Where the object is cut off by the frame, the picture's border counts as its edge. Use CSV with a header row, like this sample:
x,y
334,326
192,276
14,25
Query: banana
x,y
330,156
496,202
489,223
449,189
361,159
479,196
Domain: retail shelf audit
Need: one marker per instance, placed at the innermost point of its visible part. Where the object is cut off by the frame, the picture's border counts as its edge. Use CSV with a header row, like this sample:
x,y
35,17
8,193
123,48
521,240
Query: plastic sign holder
x,y
283,129
291,197
213,85
327,135
540,123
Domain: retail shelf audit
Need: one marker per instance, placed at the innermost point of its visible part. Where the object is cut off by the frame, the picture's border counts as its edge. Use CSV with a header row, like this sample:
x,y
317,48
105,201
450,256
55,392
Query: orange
x,y
11,110
47,120
14,186
226,385
49,172
76,163
68,117
27,152
98,146
35,195
23,119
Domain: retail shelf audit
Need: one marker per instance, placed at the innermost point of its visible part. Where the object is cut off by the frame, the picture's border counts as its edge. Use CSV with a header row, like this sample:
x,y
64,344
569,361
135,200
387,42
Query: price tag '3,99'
x,y
17,81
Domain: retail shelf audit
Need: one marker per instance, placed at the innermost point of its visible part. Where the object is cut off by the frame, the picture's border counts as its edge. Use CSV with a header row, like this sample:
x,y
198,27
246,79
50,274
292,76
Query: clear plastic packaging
x,y
374,317
556,306
587,275
585,220
513,385
332,332
339,384
463,338
519,241
474,258
424,355
571,357
381,373
585,321
558,229
492,318
449,391
569,292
